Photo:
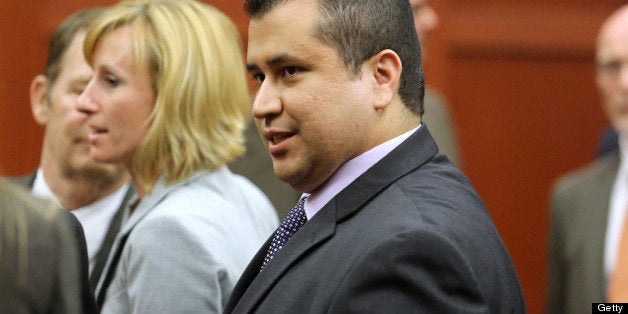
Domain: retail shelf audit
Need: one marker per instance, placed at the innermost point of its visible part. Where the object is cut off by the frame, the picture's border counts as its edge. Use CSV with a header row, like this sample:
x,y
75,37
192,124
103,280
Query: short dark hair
x,y
359,29
62,39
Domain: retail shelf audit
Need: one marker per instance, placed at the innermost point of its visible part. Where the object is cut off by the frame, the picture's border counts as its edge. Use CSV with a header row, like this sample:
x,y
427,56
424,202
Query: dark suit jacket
x,y
52,276
409,235
114,227
579,217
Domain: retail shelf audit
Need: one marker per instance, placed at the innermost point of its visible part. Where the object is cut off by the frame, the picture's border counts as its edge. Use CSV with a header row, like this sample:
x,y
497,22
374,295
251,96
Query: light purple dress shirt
x,y
350,171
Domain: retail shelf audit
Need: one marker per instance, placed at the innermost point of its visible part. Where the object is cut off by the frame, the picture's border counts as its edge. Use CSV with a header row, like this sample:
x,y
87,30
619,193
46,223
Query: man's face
x,y
66,131
612,70
312,115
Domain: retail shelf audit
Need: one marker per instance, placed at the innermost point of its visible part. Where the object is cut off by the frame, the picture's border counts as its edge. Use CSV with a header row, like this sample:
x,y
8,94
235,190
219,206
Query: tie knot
x,y
296,217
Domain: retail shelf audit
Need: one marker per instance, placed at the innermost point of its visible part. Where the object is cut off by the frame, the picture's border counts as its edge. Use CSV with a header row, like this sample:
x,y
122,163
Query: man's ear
x,y
39,99
387,70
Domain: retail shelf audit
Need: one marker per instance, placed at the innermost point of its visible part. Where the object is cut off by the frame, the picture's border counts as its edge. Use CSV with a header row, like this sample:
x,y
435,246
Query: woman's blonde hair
x,y
193,54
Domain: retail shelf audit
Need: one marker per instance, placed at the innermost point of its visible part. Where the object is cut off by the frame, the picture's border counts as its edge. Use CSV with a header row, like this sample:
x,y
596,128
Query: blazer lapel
x,y
254,285
128,223
105,248
594,235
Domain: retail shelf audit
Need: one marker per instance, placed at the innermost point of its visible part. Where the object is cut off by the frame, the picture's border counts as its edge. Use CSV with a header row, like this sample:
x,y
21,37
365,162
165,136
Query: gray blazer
x,y
409,235
579,215
185,245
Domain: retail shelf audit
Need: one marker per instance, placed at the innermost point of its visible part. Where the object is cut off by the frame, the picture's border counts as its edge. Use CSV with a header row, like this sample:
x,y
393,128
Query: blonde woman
x,y
43,257
168,99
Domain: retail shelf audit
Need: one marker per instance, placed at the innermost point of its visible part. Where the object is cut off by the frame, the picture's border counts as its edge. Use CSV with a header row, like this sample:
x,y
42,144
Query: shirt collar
x,y
350,171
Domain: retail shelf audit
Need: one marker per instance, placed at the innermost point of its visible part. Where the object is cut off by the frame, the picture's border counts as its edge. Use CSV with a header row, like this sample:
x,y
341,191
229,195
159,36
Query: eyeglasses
x,y
611,69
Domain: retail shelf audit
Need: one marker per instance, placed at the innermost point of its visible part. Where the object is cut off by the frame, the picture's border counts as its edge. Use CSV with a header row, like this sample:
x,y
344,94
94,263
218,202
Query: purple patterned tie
x,y
289,226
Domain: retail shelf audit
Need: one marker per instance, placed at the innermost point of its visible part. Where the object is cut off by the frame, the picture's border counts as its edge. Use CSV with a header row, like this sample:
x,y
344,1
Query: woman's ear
x,y
387,70
39,99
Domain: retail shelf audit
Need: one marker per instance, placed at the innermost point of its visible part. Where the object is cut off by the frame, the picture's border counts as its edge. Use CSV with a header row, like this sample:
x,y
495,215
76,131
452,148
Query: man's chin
x,y
89,165
284,173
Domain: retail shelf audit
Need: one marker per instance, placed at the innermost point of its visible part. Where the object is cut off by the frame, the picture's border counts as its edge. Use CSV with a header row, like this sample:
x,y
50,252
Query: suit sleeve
x,y
418,272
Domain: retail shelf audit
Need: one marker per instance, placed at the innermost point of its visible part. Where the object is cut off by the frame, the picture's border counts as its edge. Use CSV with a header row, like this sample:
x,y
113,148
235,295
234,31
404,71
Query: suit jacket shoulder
x,y
53,276
24,181
27,181
409,235
603,169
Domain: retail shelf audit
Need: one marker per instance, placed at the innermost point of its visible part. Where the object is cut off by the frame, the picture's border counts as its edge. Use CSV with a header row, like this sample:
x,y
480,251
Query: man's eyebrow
x,y
251,67
80,80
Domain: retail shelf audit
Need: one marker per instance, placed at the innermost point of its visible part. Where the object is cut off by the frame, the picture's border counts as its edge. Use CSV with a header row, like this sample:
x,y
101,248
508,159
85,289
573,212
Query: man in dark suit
x,y
95,193
589,204
387,224
256,165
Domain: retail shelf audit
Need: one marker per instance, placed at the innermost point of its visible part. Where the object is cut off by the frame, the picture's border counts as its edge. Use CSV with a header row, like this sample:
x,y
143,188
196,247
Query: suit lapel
x,y
105,248
594,236
143,208
255,285
388,170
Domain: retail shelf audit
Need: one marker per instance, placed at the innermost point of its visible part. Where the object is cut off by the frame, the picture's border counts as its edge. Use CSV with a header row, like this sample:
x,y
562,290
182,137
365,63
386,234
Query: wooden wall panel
x,y
18,130
519,77
517,135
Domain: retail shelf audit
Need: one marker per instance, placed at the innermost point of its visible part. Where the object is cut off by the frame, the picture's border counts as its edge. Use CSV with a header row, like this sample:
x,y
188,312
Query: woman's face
x,y
118,99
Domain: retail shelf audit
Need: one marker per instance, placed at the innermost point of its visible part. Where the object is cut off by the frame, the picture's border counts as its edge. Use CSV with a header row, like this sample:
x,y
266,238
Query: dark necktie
x,y
289,226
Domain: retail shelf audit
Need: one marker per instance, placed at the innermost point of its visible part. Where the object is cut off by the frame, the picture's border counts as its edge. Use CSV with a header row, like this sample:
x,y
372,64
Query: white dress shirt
x,y
95,217
617,208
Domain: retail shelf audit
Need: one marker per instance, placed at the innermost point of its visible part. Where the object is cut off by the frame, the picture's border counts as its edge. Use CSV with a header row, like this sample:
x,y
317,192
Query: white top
x,y
617,209
95,217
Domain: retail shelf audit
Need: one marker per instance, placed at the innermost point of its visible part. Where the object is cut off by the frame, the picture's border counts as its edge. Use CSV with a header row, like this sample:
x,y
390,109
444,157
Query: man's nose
x,y
85,103
267,102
